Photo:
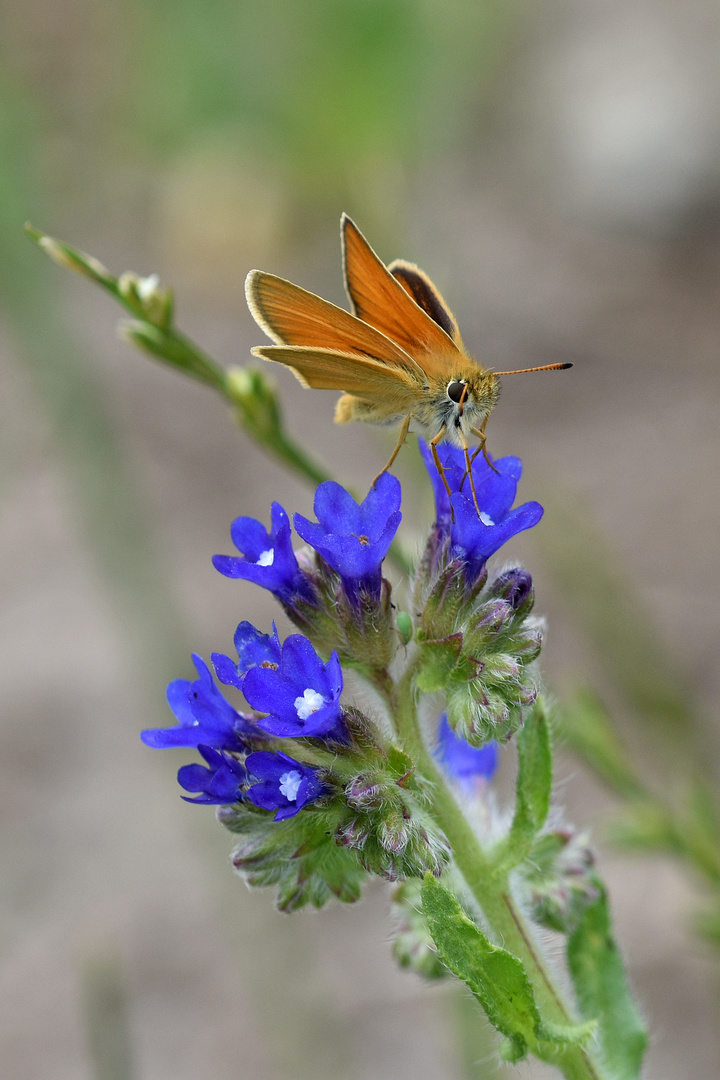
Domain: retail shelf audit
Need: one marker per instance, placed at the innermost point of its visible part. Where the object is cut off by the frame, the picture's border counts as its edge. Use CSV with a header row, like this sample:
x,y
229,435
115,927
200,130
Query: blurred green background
x,y
556,170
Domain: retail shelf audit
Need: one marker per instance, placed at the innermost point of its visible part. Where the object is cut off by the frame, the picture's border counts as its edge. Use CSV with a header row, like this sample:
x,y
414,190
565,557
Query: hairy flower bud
x,y
515,586
561,882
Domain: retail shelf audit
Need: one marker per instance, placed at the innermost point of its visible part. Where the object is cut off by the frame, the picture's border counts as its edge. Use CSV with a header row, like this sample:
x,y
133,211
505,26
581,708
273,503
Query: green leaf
x,y
496,977
534,784
602,992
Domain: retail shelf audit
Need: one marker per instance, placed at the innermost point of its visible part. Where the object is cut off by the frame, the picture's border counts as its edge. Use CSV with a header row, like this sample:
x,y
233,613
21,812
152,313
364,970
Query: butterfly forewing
x,y
292,316
389,305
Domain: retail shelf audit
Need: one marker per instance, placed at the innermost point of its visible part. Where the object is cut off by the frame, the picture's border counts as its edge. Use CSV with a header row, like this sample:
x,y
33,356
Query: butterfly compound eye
x,y
455,391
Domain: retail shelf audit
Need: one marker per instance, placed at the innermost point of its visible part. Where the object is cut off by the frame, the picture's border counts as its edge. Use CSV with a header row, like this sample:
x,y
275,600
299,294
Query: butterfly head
x,y
462,402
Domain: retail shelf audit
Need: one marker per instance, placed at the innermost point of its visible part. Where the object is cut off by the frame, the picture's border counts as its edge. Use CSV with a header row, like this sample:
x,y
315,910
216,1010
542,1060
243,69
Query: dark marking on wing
x,y
425,297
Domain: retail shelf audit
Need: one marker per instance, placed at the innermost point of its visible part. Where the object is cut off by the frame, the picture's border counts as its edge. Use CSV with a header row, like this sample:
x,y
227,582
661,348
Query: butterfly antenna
x,y
545,367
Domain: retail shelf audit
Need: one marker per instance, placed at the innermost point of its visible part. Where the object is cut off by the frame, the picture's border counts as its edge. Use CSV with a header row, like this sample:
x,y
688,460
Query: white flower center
x,y
289,784
486,519
266,558
309,703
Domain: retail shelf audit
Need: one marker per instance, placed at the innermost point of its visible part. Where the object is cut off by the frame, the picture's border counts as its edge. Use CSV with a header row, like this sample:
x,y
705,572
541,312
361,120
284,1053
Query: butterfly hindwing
x,y
426,296
392,389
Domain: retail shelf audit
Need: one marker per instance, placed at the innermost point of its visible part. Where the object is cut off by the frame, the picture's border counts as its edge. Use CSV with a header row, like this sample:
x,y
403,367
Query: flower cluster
x,y
319,793
461,532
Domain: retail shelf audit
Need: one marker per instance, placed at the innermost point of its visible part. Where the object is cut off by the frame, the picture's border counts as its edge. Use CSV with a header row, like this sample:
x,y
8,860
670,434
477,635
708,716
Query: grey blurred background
x,y
556,170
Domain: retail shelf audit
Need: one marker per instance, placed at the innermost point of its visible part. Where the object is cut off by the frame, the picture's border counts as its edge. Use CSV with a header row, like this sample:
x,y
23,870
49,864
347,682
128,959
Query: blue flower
x,y
267,558
253,648
354,539
467,764
302,696
203,715
219,784
474,538
286,785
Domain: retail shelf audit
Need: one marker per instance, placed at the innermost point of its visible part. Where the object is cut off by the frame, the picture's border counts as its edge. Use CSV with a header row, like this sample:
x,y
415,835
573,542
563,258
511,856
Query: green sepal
x,y
602,992
534,785
152,329
496,977
362,633
439,660
444,604
297,857
402,767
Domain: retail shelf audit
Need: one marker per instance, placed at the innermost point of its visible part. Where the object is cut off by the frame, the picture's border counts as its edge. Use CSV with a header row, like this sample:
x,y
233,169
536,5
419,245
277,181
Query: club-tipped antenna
x,y
545,367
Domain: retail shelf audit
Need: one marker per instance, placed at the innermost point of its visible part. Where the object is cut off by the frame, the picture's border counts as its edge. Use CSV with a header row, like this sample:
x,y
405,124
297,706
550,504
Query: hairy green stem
x,y
489,889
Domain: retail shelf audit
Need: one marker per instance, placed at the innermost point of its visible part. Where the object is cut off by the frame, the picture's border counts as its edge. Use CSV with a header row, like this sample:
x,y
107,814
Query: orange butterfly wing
x,y
402,304
293,316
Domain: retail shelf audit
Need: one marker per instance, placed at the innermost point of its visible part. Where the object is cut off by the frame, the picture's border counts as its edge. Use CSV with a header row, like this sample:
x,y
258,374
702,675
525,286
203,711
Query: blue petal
x,y
336,509
254,647
309,531
250,537
461,760
226,670
301,665
382,500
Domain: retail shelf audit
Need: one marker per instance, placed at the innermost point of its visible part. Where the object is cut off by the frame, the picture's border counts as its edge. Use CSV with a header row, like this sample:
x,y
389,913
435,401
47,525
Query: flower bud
x,y
516,588
527,643
562,882
353,833
489,620
395,830
366,791
71,259
255,398
147,298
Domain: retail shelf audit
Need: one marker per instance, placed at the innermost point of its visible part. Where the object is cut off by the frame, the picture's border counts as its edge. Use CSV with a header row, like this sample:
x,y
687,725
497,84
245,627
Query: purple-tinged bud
x,y
395,831
516,587
490,619
562,882
500,667
527,695
354,833
526,644
367,791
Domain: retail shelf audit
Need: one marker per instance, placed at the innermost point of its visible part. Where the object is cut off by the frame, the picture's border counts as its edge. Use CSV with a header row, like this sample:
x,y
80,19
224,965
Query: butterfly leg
x,y
482,448
439,466
403,436
468,469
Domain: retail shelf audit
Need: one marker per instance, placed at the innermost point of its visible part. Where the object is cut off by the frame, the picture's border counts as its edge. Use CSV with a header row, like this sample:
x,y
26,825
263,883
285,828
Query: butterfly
x,y
398,356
